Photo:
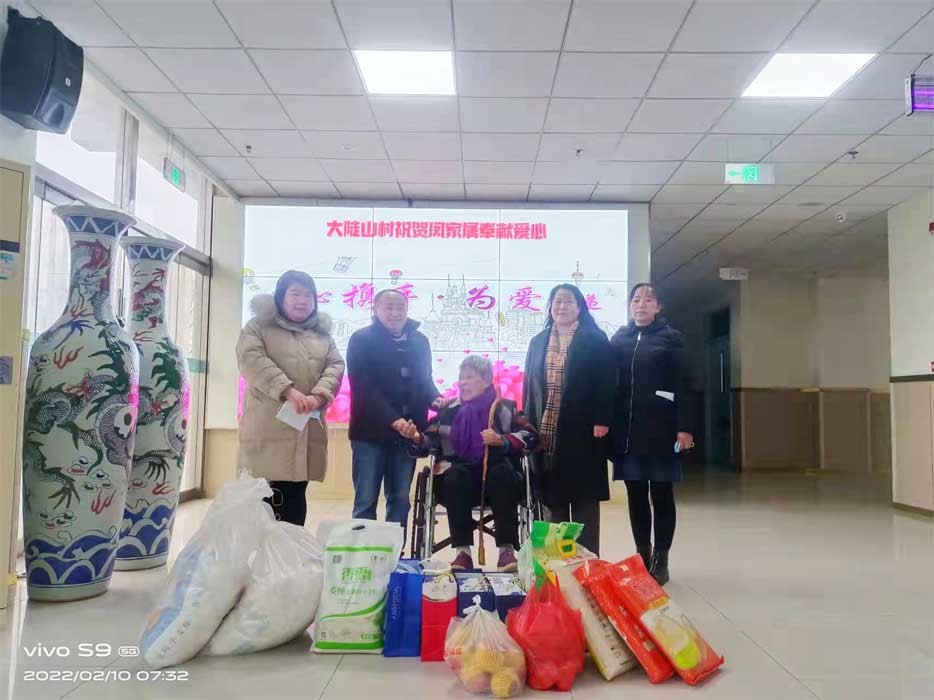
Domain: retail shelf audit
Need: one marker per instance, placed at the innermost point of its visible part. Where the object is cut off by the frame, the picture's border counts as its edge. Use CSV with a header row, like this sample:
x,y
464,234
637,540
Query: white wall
x,y
852,332
911,272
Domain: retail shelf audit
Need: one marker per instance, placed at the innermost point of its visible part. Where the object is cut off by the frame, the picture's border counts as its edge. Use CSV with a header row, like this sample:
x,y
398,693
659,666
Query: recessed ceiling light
x,y
806,74
407,72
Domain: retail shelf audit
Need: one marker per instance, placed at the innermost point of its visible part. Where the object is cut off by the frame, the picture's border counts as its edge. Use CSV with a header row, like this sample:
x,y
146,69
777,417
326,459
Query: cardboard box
x,y
471,586
508,592
439,605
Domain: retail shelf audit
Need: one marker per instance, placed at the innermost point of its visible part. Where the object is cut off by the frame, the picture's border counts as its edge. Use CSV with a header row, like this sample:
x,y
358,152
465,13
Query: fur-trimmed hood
x,y
264,310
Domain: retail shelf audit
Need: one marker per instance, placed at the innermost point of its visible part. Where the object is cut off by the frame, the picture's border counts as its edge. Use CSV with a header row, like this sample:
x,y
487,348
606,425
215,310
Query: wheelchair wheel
x,y
418,516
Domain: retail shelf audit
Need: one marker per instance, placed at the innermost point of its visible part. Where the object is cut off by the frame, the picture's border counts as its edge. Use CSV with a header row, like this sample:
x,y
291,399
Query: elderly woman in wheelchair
x,y
472,426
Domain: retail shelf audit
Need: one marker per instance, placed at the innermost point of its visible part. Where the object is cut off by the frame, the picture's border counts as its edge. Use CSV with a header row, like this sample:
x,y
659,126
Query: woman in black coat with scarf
x,y
650,425
568,396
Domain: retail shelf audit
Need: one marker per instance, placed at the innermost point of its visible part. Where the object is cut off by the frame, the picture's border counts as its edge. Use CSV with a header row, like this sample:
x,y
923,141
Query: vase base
x,y
141,563
66,594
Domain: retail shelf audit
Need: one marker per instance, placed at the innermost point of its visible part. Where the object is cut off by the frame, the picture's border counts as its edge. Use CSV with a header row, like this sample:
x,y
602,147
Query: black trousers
x,y
459,492
584,511
288,501
662,494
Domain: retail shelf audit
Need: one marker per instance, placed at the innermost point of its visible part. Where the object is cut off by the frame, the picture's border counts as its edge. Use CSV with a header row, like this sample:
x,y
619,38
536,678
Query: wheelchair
x,y
426,510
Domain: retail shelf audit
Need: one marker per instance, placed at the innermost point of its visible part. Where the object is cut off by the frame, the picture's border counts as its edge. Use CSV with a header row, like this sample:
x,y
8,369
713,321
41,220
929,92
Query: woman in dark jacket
x,y
650,427
568,397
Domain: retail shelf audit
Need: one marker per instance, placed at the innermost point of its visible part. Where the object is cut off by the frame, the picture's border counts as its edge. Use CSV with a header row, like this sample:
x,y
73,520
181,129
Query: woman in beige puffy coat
x,y
286,353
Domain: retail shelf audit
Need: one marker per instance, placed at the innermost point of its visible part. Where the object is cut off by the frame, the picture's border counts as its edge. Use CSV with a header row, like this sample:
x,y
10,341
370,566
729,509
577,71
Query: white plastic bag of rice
x,y
359,557
282,597
208,575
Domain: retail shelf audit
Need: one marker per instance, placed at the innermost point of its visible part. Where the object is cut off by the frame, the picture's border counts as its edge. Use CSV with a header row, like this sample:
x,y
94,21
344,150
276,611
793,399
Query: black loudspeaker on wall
x,y
40,74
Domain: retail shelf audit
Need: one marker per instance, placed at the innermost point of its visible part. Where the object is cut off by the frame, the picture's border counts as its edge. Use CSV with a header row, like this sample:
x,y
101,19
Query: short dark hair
x,y
289,278
586,318
643,285
384,292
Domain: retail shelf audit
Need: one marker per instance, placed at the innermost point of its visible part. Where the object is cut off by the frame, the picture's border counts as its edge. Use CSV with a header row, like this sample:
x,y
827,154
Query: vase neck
x,y
89,295
149,282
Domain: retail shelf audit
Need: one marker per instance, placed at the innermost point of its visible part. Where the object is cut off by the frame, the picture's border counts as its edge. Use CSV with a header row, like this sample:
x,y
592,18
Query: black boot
x,y
646,554
659,568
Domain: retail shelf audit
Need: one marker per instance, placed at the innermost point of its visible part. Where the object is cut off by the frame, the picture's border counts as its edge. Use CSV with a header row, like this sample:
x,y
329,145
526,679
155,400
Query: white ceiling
x,y
590,100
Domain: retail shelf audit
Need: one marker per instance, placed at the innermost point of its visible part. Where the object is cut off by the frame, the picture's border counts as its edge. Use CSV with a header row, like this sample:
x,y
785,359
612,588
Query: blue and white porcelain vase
x,y
162,426
79,423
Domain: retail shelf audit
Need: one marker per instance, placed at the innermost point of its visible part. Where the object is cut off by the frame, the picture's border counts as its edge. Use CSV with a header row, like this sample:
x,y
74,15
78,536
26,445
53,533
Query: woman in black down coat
x,y
650,427
568,396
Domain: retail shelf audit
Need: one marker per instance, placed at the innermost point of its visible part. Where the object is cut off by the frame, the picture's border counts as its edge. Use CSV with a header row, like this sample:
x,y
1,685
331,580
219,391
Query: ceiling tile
x,y
243,111
404,25
815,195
735,148
577,172
605,74
304,189
329,113
853,116
170,109
171,23
697,75
130,69
884,196
915,124
655,146
358,170
919,38
83,21
567,147
766,116
279,142
677,116
674,212
518,25
795,173
310,24
929,156
729,212
688,194
369,190
850,174
815,148
911,175
521,147
505,74
608,25
498,173
415,113
429,171
884,78
636,173
739,26
891,149
699,174
787,212
303,169
499,114
854,27
624,193
251,188
578,116
516,193
230,168
422,146
853,214
760,194
309,72
205,142
353,145
560,193
215,71
432,191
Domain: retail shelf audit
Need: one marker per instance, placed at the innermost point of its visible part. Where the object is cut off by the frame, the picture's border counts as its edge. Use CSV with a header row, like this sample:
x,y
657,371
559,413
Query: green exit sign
x,y
749,174
173,174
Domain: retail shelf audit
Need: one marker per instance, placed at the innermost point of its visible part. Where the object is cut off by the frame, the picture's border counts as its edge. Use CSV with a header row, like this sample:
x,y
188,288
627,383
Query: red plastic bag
x,y
552,636
594,575
693,658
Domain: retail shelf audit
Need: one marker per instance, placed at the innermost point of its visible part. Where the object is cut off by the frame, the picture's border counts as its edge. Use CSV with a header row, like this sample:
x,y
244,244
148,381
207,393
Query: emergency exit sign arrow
x,y
749,174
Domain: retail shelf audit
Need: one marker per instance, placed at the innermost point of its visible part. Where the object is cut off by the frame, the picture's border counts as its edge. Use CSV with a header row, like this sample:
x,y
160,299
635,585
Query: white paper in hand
x,y
288,415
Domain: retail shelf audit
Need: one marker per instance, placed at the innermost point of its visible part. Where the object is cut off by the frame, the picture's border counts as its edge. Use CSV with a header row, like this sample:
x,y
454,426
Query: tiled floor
x,y
810,586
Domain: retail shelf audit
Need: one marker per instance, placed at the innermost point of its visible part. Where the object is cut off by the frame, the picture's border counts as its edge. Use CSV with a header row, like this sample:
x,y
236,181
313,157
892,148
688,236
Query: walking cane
x,y
481,550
